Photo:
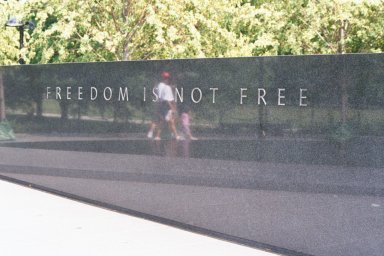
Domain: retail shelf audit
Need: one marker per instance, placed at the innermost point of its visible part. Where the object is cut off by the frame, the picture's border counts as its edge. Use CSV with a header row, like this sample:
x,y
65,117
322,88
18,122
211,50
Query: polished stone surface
x,y
301,175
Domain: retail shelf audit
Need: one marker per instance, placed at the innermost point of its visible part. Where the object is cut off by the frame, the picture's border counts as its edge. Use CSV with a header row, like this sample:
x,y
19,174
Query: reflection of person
x,y
170,148
186,122
185,148
166,107
156,118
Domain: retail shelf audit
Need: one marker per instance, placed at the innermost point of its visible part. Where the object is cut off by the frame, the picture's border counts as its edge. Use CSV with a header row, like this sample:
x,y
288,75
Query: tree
x,y
313,27
77,31
319,27
9,36
129,30
110,30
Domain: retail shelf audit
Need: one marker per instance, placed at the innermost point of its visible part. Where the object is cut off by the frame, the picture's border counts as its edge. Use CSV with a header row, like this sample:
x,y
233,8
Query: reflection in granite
x,y
313,152
290,155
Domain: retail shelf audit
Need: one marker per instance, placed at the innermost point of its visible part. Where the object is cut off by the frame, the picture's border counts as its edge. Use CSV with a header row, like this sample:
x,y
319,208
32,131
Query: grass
x,y
236,120
28,124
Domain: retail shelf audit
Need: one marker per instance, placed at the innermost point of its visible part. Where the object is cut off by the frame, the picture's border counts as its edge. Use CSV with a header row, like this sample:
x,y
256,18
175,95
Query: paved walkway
x,y
37,223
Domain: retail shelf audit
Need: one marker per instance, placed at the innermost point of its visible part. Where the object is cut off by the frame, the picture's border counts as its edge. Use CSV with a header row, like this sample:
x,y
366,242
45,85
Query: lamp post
x,y
20,26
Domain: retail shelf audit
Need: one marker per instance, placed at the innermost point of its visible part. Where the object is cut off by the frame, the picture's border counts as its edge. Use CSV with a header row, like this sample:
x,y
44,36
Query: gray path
x,y
319,210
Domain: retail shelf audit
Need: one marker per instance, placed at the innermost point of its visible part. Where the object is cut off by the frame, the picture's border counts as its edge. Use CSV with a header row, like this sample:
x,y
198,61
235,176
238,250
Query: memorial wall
x,y
280,153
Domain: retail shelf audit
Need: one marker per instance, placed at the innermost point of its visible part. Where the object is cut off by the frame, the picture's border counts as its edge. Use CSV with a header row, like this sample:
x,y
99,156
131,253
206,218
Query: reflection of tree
x,y
224,74
343,78
25,88
64,103
61,80
16,87
36,88
323,76
261,109
365,86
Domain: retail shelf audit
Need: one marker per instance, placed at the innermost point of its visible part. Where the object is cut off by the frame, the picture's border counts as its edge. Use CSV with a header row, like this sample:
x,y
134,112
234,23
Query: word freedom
x,y
195,94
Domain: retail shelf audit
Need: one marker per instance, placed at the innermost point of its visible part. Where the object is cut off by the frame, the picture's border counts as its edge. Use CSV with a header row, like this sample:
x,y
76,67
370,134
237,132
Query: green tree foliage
x,y
84,30
313,27
108,30
9,37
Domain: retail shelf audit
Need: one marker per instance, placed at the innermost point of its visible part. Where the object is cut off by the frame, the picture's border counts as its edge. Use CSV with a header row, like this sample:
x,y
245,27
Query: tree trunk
x,y
39,107
312,116
116,110
64,110
261,108
126,51
343,84
344,101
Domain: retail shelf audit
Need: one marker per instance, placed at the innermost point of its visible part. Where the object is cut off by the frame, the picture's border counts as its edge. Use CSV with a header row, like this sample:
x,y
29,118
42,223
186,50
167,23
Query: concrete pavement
x,y
37,223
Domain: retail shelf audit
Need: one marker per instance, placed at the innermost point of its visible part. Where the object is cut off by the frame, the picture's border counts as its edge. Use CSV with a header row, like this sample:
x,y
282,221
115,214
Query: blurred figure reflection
x,y
185,118
170,148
